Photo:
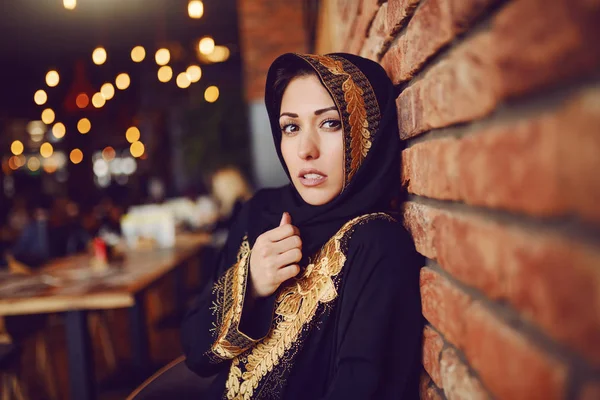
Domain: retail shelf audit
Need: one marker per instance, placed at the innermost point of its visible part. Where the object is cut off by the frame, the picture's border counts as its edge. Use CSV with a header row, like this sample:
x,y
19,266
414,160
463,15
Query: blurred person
x,y
33,247
316,292
230,189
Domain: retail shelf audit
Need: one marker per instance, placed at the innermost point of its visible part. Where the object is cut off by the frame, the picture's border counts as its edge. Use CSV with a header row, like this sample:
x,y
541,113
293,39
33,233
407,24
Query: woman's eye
x,y
331,124
288,129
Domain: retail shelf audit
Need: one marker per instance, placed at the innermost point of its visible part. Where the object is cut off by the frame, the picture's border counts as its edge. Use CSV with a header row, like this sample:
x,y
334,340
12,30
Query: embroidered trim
x,y
360,105
296,307
230,291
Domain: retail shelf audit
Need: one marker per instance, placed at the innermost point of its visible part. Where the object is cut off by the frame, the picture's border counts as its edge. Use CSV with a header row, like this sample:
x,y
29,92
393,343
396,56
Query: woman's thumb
x,y
285,219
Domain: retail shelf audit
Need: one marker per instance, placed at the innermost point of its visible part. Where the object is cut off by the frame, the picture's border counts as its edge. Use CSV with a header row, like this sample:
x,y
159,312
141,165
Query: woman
x,y
317,293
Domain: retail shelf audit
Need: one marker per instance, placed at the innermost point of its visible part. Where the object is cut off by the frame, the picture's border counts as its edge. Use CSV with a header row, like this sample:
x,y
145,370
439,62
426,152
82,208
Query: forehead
x,y
305,93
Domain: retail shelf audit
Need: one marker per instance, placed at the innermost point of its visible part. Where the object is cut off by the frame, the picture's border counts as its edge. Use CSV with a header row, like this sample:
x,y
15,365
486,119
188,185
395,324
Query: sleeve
x,y
211,334
380,323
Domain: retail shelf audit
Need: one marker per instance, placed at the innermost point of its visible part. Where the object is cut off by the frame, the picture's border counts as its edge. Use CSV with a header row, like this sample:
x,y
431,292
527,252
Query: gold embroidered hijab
x,y
365,98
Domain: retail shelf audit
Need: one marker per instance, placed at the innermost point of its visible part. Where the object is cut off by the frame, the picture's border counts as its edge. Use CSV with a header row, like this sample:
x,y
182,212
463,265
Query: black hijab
x,y
365,98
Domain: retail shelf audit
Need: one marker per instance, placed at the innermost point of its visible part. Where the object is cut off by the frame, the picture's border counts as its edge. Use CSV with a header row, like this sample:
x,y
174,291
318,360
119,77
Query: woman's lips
x,y
311,177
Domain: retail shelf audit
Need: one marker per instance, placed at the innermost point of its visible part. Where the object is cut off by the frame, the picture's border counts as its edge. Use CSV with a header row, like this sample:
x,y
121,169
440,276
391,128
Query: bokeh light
x,y
194,73
33,164
17,147
59,130
48,116
219,54
206,45
20,160
195,9
70,4
133,134
162,56
122,81
107,90
136,149
40,97
46,150
76,156
183,81
211,94
109,153
99,55
84,126
52,78
82,100
138,53
165,73
98,100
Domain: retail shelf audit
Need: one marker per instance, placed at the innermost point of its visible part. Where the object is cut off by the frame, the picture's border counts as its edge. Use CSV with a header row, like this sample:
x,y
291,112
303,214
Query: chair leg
x,y
44,365
98,320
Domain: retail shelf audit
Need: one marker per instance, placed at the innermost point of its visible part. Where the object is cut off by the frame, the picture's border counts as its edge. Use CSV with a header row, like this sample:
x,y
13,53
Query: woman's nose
x,y
308,146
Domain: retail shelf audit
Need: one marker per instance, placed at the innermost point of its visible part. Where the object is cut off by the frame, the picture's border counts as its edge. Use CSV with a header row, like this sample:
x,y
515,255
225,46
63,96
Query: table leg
x,y
139,335
81,363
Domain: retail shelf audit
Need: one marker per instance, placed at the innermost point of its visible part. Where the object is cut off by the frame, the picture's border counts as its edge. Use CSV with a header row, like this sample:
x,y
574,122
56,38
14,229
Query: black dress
x,y
348,327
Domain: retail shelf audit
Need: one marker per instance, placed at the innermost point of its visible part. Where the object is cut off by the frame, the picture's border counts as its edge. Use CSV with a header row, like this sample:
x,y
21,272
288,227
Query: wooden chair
x,y
174,381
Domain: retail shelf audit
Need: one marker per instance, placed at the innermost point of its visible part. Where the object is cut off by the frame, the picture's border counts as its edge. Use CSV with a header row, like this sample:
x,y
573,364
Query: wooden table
x,y
71,286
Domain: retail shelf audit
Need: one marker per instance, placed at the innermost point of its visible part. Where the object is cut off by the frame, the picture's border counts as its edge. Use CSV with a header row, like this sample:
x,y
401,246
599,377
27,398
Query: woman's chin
x,y
316,196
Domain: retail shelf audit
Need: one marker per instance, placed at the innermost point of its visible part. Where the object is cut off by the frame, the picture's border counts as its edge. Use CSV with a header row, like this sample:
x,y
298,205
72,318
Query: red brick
x,y
551,280
359,32
427,390
530,44
434,24
432,347
377,37
458,383
509,365
399,11
590,391
550,171
443,305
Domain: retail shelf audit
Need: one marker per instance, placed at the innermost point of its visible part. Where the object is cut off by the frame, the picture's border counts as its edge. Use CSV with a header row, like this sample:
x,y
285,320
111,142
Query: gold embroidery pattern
x,y
358,113
230,291
296,306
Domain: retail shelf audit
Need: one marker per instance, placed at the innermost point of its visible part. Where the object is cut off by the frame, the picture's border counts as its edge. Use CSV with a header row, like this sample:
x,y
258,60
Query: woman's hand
x,y
274,258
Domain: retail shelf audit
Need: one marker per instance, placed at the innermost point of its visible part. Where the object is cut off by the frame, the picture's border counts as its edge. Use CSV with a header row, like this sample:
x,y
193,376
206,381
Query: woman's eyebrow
x,y
323,110
291,115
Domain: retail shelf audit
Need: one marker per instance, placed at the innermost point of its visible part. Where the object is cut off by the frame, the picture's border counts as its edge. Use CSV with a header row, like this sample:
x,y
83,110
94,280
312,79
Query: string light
x,y
195,9
211,94
132,135
70,4
138,53
194,73
99,55
40,97
165,73
52,78
33,164
183,81
219,54
84,126
17,147
206,45
82,100
162,56
59,130
98,100
20,160
108,91
136,149
76,156
48,116
46,150
123,81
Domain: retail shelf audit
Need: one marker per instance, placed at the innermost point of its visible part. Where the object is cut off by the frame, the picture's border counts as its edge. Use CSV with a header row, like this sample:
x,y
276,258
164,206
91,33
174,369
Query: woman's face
x,y
312,140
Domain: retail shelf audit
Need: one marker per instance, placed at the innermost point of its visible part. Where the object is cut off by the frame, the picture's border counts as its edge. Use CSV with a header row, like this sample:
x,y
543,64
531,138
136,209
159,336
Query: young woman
x,y
317,293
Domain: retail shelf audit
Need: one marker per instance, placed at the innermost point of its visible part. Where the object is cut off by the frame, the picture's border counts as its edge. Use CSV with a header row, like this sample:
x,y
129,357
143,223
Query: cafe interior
x,y
130,132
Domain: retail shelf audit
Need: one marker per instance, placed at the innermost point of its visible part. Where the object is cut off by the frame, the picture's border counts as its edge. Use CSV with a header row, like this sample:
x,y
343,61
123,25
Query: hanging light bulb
x,y
162,56
99,55
165,73
183,81
194,73
40,97
107,90
206,45
138,53
195,9
122,81
70,4
52,78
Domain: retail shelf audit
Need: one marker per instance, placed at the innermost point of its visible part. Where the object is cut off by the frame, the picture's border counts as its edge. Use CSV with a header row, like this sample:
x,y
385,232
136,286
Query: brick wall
x,y
268,28
500,111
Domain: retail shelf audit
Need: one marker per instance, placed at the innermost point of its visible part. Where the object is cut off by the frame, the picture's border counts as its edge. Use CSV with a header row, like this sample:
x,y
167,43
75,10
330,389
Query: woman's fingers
x,y
282,232
292,242
292,256
288,272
